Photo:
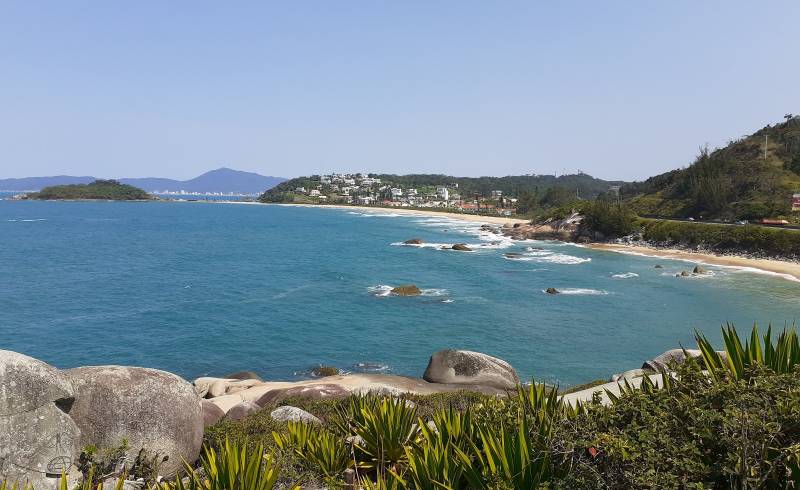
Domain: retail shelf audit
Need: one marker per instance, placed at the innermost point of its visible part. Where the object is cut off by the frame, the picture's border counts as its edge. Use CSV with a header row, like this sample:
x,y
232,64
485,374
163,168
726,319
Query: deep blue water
x,y
199,288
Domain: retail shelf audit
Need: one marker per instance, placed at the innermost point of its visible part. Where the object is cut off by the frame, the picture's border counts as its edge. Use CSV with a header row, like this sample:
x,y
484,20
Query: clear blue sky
x,y
172,89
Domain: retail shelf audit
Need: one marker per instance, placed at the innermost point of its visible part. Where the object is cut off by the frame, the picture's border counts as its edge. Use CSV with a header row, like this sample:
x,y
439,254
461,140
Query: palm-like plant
x,y
780,356
5,485
318,448
384,429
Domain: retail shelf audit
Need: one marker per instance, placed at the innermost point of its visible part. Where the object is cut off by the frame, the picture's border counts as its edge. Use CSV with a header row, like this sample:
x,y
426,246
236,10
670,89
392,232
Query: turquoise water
x,y
201,289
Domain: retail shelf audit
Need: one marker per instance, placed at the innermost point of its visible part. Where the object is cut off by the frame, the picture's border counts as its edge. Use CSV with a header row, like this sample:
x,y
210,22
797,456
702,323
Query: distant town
x,y
364,190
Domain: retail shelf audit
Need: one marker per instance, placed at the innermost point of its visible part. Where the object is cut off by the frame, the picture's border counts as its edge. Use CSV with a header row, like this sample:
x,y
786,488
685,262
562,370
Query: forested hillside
x,y
738,181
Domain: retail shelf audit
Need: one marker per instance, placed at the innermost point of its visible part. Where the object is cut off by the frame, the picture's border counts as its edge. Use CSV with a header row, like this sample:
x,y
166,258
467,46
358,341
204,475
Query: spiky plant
x,y
383,431
318,448
5,485
780,355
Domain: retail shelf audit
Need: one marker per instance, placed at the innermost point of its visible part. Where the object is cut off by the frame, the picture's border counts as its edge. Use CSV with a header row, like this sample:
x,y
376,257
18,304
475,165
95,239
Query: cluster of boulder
x,y
47,416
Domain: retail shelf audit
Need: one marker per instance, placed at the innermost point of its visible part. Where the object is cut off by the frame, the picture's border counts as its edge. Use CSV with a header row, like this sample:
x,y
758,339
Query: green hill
x,y
99,189
734,182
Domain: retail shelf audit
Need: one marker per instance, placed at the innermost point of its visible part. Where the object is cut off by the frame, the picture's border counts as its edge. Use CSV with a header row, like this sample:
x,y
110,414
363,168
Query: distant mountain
x,y
221,180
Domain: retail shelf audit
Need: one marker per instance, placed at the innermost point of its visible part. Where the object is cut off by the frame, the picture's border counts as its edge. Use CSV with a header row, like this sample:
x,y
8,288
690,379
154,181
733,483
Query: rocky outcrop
x,y
316,392
293,414
414,241
461,247
406,290
699,269
552,291
244,375
151,409
473,368
241,410
38,439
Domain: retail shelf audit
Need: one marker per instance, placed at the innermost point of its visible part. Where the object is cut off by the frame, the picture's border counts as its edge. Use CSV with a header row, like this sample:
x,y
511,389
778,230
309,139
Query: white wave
x,y
625,275
447,301
553,258
25,220
371,367
580,292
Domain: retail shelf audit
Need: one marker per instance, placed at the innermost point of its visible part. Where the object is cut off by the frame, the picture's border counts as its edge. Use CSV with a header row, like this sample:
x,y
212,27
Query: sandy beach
x,y
786,269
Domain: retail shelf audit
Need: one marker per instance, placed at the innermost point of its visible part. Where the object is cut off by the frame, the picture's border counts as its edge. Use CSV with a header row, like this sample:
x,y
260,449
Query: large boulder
x,y
293,414
151,409
244,375
677,356
315,392
38,439
467,367
211,413
241,410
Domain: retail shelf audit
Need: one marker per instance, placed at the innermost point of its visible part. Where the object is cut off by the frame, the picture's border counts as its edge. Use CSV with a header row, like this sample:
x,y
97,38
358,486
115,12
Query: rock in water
x,y
473,368
414,241
407,290
152,409
659,266
242,410
685,274
552,291
293,414
38,439
324,371
699,269
211,413
462,247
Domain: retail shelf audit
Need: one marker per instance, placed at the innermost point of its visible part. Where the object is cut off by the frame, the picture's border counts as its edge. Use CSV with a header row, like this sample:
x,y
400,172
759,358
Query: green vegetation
x,y
725,420
734,182
99,189
723,238
610,220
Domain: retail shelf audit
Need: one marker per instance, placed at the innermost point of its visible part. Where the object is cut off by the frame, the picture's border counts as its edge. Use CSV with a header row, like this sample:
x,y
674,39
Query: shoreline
x,y
780,268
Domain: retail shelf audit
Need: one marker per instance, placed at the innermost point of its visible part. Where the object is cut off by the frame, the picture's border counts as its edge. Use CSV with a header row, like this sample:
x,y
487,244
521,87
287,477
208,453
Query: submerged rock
x,y
406,290
552,291
513,255
659,266
461,247
152,409
468,367
414,241
324,371
293,414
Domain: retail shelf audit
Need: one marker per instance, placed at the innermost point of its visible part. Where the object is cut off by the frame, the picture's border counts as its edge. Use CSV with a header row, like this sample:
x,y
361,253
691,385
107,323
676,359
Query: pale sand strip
x,y
784,268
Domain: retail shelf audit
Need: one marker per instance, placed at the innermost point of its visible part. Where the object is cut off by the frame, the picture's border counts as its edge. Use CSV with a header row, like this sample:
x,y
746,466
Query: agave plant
x,y
318,448
451,426
5,485
234,466
781,356
383,431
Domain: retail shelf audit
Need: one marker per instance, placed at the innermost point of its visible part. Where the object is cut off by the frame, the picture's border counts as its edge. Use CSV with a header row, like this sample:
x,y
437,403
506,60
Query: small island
x,y
99,189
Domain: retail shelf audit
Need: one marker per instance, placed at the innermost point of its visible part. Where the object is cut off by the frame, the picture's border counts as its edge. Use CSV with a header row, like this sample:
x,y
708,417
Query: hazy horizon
x,y
620,91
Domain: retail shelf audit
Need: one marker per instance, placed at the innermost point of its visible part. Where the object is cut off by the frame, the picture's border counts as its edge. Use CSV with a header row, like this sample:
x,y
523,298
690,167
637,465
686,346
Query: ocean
x,y
206,289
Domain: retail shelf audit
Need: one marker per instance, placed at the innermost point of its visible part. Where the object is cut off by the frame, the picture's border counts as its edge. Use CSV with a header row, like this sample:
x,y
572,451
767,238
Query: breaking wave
x,y
580,292
625,275
384,290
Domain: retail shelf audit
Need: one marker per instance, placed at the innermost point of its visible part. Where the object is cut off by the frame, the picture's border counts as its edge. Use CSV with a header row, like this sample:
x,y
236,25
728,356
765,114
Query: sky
x,y
617,89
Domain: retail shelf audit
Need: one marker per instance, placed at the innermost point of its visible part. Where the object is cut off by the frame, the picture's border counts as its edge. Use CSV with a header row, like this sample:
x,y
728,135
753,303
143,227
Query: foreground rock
x,y
406,290
677,356
151,409
472,368
293,414
241,410
211,413
315,392
38,439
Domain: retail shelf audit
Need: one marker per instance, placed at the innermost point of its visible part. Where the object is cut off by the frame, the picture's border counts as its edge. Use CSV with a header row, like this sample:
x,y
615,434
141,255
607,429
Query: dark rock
x,y
467,367
152,409
406,290
243,375
414,241
211,413
685,274
659,266
699,269
324,371
512,255
241,410
552,291
314,392
461,247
